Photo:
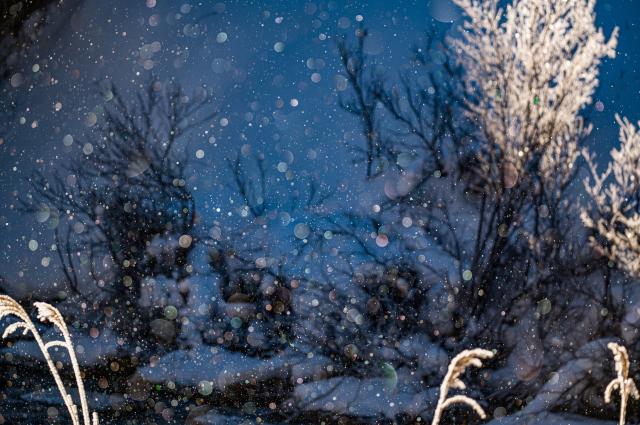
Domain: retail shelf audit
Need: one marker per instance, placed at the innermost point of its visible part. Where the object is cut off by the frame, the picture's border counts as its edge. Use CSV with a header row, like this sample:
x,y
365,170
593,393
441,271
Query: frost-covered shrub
x,y
614,215
256,314
364,323
127,207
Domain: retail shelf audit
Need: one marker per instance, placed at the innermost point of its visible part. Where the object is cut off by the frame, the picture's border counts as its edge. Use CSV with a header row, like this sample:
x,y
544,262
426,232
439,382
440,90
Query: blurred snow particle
x,y
353,315
278,47
294,102
499,412
87,149
78,227
17,79
221,37
170,312
390,376
341,83
151,3
185,241
301,230
90,119
199,154
312,154
52,413
544,306
382,240
43,213
344,23
33,245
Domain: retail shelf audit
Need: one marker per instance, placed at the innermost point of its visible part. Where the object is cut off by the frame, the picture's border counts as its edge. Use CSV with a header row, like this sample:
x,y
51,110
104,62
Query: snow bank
x,y
97,401
213,418
570,378
548,419
217,366
363,397
90,351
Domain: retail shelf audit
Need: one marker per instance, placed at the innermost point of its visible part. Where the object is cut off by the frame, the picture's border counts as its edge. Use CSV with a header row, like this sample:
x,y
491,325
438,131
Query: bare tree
x,y
365,83
126,197
497,227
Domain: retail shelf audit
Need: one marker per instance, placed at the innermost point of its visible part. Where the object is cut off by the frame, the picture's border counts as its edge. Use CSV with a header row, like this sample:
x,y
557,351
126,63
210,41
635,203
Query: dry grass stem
x,y
48,313
457,367
622,382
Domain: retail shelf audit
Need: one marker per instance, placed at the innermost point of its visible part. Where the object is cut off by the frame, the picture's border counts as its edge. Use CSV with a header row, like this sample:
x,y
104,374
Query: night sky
x,y
273,74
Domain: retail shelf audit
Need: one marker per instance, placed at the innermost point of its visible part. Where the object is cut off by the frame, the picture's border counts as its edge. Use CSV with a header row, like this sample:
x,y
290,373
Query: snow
x,y
219,367
97,401
364,397
569,379
89,351
213,418
548,419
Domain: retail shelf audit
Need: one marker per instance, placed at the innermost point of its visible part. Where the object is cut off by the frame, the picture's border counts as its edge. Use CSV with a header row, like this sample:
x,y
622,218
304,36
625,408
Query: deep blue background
x,y
252,87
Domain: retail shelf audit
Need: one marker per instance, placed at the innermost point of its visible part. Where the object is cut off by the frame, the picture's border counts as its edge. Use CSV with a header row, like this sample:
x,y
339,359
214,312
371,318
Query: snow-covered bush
x,y
614,215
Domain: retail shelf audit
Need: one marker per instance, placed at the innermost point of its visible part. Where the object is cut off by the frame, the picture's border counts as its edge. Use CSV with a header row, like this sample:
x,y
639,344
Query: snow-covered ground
x,y
375,397
548,419
89,350
217,367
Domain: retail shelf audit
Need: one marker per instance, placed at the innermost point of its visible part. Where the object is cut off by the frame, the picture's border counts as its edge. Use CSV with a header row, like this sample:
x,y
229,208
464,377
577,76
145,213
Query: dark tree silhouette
x,y
126,197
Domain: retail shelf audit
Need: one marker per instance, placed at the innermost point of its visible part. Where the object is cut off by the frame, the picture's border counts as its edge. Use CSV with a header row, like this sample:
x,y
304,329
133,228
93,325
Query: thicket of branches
x,y
476,240
127,213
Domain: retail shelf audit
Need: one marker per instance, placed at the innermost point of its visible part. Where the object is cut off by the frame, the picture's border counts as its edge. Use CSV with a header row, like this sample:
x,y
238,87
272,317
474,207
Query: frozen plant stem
x,y
457,367
623,383
46,312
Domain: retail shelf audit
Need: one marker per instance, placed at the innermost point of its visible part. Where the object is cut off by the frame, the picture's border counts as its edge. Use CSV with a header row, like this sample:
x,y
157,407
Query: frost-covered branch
x,y
614,215
530,70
